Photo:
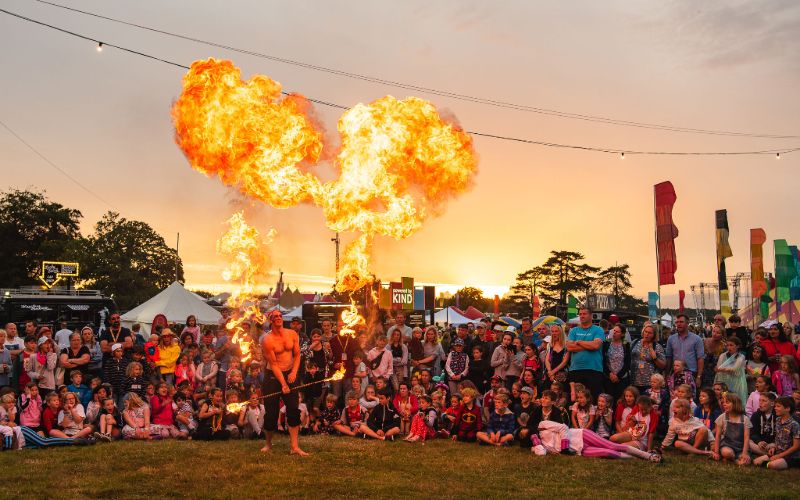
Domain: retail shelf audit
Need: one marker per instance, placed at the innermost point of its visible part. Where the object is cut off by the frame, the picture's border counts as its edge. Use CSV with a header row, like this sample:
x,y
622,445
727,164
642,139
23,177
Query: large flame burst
x,y
399,160
248,261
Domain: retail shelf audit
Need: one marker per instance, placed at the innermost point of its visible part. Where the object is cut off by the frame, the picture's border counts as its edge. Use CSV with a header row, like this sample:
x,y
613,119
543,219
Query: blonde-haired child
x,y
785,379
71,417
137,418
732,432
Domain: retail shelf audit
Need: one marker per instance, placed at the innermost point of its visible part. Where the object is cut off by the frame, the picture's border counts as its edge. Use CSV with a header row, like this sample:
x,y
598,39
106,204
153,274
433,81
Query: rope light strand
x,y
429,90
607,150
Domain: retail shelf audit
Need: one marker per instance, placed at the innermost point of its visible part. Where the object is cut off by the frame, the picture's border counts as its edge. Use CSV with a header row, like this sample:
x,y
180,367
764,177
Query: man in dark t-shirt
x,y
116,333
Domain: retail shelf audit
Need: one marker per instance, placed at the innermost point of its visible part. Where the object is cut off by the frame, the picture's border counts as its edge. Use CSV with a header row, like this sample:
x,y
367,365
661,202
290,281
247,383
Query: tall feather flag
x,y
666,232
537,307
757,281
652,304
794,286
572,307
723,252
784,270
681,298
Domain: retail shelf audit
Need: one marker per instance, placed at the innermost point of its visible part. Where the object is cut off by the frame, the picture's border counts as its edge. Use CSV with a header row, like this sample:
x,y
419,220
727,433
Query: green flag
x,y
572,307
784,270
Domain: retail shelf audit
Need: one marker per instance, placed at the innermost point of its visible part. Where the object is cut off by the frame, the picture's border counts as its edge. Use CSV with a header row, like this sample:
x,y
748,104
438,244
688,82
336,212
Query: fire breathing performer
x,y
282,352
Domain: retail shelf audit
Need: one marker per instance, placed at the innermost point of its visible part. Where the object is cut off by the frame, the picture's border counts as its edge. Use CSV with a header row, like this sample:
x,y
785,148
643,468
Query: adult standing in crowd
x,y
775,346
62,336
687,347
647,358
168,353
526,333
584,344
433,353
616,362
95,366
400,324
115,334
556,358
75,356
192,328
14,345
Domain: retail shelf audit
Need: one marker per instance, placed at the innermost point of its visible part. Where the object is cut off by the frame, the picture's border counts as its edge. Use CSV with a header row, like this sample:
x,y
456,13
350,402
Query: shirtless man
x,y
282,353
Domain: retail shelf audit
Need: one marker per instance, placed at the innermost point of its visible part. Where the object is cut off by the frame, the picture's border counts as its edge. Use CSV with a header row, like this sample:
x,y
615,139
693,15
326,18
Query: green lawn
x,y
347,467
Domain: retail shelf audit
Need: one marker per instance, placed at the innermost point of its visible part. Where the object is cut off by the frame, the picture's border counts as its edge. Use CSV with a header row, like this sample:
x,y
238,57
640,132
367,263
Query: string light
x,y
428,90
777,156
99,46
595,149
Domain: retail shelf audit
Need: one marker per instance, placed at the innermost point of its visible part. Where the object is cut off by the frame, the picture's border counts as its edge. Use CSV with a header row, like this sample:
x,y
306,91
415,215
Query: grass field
x,y
347,467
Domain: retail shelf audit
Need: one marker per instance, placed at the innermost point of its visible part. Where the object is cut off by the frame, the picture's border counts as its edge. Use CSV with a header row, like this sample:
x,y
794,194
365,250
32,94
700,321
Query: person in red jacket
x,y
162,417
468,418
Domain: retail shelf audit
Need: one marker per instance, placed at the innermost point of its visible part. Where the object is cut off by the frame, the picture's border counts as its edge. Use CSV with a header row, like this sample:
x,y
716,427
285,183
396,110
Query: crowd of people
x,y
725,391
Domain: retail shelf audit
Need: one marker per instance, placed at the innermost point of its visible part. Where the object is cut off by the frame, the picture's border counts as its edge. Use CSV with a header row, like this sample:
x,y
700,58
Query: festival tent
x,y
174,302
473,313
666,320
511,322
297,312
449,315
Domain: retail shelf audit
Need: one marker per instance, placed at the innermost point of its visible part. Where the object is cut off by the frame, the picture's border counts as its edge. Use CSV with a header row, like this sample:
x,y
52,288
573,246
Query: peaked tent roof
x,y
451,317
176,303
473,313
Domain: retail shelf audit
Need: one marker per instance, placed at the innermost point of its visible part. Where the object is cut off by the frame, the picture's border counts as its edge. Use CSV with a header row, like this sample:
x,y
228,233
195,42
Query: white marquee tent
x,y
449,315
176,303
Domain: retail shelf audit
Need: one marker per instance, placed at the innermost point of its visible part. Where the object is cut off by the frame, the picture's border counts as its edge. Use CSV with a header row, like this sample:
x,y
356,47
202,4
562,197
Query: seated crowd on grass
x,y
727,393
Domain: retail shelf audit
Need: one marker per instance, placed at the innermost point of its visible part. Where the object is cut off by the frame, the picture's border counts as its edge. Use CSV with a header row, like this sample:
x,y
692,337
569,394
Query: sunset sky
x,y
725,65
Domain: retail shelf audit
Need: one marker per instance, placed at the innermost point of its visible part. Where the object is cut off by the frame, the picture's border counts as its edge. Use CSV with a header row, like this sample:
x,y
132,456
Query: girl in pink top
x,y
30,404
162,414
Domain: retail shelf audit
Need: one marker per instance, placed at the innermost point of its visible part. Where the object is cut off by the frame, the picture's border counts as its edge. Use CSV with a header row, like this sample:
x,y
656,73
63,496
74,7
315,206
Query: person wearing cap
x,y
584,343
522,413
457,364
168,353
114,371
42,365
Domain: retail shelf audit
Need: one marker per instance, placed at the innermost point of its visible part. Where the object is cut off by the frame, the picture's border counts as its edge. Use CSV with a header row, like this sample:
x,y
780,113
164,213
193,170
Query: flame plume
x,y
399,161
246,134
243,245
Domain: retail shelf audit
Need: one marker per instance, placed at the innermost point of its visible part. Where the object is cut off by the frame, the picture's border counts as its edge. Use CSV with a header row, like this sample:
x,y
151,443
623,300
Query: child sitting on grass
x,y
468,421
71,417
30,408
501,425
328,416
110,423
732,430
709,410
254,417
763,432
352,421
77,387
640,426
625,406
137,419
425,423
184,415
383,420
785,452
233,421
583,411
603,424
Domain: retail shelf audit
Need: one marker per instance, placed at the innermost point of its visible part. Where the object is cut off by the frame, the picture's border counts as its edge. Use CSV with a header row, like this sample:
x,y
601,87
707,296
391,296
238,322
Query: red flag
x,y
537,308
759,284
681,296
497,304
666,232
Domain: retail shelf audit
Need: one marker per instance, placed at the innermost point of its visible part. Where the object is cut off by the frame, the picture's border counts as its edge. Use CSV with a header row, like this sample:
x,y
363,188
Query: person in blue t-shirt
x,y
586,361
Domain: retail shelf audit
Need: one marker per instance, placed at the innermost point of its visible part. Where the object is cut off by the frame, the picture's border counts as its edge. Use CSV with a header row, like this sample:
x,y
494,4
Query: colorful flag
x,y
785,270
758,283
723,252
766,300
652,304
681,297
794,286
666,232
537,308
572,307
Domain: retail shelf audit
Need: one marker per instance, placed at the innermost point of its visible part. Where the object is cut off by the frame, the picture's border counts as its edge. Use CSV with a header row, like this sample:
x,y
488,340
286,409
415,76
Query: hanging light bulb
x,y
777,156
622,156
99,46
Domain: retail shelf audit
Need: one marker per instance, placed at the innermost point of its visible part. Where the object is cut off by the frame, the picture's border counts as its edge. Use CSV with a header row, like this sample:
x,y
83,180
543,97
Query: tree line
x,y
121,257
564,273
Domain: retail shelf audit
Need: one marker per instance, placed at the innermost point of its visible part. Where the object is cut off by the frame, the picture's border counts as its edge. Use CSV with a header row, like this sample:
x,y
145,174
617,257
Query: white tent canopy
x,y
449,315
176,303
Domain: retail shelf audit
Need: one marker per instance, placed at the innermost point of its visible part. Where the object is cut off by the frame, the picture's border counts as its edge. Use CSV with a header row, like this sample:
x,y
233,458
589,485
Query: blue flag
x,y
652,304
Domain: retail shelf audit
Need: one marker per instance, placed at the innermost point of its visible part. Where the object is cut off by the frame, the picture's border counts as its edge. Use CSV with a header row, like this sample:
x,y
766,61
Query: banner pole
x,y
658,273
